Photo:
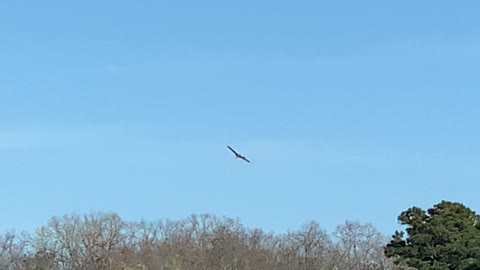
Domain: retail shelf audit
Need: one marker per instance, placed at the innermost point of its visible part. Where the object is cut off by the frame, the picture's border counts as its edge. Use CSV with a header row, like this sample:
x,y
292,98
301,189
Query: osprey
x,y
237,155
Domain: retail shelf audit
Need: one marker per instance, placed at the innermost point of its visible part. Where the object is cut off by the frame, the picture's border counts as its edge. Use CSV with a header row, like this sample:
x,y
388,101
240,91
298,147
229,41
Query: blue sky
x,y
347,109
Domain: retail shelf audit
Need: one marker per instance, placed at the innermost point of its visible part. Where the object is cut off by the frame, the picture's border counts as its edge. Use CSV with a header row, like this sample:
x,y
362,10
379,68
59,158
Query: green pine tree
x,y
446,237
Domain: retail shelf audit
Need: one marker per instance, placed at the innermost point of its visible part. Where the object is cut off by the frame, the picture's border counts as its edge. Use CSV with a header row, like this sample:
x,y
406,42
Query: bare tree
x,y
313,243
104,241
12,250
81,243
361,246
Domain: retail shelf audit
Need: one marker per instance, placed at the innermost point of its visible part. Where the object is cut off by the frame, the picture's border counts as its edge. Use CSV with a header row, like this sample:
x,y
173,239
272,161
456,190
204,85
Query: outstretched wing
x,y
231,149
244,158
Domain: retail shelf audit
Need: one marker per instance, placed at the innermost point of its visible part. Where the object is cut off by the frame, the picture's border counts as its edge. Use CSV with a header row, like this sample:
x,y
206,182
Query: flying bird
x,y
237,155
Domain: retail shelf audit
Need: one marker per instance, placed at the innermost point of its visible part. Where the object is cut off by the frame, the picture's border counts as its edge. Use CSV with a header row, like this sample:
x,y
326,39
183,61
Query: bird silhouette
x,y
237,155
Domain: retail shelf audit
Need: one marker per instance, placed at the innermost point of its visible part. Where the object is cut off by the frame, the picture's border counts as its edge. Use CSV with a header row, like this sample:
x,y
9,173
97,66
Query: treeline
x,y
105,241
444,237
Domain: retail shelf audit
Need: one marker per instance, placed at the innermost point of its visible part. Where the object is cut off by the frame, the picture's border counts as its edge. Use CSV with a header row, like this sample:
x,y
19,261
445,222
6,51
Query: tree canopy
x,y
103,241
446,236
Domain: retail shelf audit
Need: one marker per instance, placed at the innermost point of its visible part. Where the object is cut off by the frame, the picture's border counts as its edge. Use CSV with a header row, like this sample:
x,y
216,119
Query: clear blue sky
x,y
347,109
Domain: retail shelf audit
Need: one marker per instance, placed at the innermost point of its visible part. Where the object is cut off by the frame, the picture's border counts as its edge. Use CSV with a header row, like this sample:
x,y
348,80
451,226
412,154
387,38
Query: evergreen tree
x,y
446,237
